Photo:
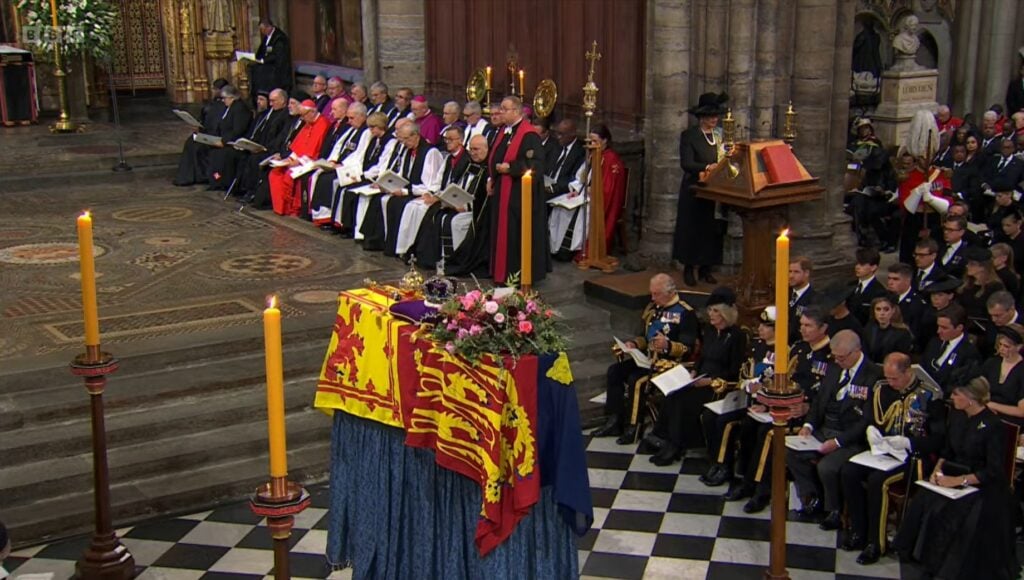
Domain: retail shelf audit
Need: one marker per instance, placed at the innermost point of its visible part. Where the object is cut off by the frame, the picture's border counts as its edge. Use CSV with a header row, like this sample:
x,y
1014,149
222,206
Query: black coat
x,y
967,179
963,355
698,235
566,167
1005,179
879,342
937,273
796,309
275,72
852,416
956,265
722,352
859,302
913,308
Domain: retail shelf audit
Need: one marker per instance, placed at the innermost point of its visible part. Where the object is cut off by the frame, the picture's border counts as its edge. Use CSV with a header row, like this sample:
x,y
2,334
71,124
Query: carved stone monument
x,y
907,87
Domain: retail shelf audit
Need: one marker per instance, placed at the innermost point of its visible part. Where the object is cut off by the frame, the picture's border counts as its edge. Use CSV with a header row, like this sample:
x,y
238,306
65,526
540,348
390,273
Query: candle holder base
x,y
106,558
279,500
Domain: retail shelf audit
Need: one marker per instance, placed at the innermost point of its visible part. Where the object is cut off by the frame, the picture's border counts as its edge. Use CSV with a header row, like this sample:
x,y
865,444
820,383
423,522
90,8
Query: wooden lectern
x,y
757,179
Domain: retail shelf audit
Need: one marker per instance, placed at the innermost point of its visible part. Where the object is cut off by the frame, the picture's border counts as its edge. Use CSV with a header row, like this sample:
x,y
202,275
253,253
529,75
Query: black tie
x,y
793,297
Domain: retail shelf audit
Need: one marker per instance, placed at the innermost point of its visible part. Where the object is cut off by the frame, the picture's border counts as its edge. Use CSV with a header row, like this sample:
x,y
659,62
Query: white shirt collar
x,y
903,296
852,371
801,291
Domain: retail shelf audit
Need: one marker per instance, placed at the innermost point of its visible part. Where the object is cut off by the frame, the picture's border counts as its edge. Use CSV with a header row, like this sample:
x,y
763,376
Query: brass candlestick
x,y
63,124
789,129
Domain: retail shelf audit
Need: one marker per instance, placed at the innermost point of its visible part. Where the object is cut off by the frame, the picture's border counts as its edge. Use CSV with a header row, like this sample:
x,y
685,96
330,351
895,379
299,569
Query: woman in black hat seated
x,y
1005,374
886,332
697,242
971,537
982,282
723,350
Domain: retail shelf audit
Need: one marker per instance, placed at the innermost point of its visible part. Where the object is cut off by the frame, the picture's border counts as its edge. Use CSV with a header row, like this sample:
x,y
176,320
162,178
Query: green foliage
x,y
84,27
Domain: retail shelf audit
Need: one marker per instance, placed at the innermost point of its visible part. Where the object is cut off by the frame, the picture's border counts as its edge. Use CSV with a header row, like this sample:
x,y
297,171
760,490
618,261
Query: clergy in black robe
x,y
259,196
471,256
275,69
570,158
383,103
346,154
193,166
517,150
234,125
351,207
373,225
697,242
268,128
434,240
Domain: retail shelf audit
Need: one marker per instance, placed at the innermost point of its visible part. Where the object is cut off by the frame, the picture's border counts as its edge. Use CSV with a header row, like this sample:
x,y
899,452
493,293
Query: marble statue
x,y
905,46
217,16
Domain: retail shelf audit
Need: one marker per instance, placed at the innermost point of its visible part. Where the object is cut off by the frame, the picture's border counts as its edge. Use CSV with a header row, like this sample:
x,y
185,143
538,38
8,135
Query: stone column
x,y
401,46
1002,53
668,95
816,56
762,115
371,58
741,63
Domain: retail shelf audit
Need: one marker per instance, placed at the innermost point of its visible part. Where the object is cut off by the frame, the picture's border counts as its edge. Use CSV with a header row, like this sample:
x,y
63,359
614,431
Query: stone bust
x,y
905,45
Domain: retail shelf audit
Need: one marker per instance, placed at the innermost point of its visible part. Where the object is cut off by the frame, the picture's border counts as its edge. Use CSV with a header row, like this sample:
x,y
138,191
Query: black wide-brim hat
x,y
709,104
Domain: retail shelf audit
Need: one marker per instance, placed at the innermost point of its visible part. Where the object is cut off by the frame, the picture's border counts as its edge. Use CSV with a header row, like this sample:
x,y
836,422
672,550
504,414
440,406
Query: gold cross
x,y
593,56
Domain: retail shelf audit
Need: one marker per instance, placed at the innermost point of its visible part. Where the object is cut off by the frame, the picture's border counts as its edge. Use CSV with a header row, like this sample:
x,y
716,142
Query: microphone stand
x,y
122,165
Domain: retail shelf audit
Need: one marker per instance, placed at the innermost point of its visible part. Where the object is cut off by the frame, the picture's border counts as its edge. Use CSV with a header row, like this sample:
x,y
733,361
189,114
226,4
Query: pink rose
x,y
499,318
522,316
463,333
531,306
549,313
525,326
491,306
475,329
450,347
452,326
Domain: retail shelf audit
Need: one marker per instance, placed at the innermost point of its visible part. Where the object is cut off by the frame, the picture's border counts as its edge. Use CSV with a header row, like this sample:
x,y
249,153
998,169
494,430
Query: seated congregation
x,y
378,170
927,374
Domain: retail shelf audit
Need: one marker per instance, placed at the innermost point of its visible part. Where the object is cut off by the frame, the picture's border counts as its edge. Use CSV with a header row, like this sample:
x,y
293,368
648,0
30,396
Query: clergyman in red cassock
x,y
284,196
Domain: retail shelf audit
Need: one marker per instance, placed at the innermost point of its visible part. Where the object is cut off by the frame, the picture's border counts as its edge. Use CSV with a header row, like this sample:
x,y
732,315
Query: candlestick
x,y
782,303
275,389
63,124
87,268
487,76
526,247
522,83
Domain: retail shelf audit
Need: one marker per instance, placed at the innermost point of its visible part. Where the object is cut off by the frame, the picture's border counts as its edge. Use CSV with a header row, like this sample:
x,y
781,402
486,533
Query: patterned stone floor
x,y
171,262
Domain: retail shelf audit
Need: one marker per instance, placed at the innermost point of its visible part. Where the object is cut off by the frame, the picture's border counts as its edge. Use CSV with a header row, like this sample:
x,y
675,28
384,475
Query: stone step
x,y
164,454
126,426
182,492
136,385
160,166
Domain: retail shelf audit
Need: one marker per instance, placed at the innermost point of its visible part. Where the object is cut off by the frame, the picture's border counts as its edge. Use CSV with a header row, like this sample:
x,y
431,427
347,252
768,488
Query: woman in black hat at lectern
x,y
697,242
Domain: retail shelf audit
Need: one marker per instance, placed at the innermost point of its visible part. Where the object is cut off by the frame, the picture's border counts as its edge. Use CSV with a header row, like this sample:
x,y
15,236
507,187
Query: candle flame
x,y
272,301
785,233
86,213
529,172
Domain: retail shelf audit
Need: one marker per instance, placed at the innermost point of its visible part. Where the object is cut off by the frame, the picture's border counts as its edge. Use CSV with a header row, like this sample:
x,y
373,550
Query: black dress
x,y
972,537
1009,391
975,299
722,354
698,235
879,342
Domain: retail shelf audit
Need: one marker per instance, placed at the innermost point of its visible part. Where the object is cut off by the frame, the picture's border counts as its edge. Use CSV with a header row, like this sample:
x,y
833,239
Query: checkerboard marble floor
x,y
650,523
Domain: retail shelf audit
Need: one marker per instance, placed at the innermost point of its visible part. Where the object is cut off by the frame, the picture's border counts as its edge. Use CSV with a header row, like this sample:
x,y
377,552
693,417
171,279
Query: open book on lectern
x,y
455,197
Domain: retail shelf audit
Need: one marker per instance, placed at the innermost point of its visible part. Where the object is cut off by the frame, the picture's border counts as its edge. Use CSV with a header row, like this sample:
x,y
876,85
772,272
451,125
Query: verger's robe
x,y
283,195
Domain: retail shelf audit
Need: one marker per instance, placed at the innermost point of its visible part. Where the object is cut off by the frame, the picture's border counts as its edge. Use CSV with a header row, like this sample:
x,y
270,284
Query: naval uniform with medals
x,y
917,413
625,379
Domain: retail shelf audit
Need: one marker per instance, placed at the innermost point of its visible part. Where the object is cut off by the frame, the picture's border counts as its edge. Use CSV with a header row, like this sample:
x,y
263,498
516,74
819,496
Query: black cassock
x,y
435,236
261,190
234,125
344,215
271,134
372,227
194,164
698,235
506,208
473,254
275,72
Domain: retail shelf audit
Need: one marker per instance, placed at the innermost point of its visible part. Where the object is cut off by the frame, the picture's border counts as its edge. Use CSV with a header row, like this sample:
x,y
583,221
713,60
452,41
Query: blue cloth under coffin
x,y
396,514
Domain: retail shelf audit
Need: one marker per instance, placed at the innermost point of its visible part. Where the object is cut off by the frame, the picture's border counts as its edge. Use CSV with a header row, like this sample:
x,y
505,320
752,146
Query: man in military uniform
x,y
838,421
670,331
912,416
810,359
